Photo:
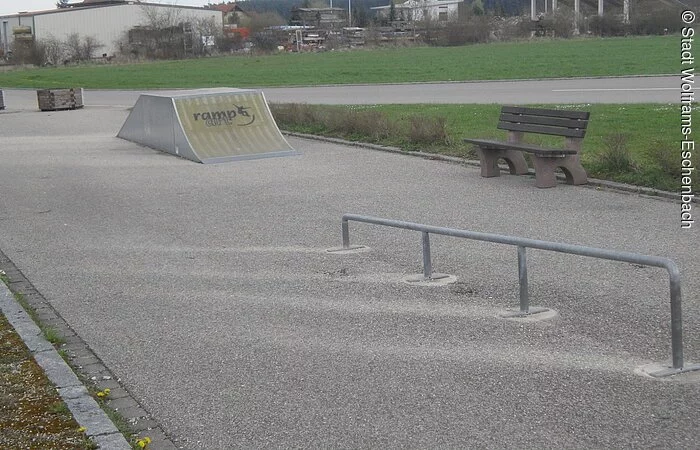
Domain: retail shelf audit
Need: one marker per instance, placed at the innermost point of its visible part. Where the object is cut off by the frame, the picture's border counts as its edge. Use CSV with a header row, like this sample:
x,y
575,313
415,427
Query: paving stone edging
x,y
592,182
69,385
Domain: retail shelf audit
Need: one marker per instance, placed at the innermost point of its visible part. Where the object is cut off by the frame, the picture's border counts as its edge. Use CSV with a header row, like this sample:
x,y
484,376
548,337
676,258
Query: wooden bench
x,y
519,120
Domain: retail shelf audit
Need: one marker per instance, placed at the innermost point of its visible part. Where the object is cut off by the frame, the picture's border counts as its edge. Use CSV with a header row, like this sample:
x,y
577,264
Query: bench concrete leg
x,y
574,171
546,178
516,162
489,162
544,171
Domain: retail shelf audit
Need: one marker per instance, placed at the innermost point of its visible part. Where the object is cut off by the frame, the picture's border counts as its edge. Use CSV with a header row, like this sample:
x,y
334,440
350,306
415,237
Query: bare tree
x,y
78,49
166,30
206,33
73,47
54,50
89,46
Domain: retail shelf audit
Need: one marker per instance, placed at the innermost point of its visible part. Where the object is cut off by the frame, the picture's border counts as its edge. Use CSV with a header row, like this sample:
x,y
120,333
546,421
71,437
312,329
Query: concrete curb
x,y
84,408
592,182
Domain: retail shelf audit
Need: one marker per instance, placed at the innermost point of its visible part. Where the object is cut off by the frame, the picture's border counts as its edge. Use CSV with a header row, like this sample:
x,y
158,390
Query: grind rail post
x,y
522,244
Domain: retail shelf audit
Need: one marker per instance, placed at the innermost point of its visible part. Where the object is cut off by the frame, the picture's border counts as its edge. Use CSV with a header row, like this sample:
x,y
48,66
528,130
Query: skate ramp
x,y
207,125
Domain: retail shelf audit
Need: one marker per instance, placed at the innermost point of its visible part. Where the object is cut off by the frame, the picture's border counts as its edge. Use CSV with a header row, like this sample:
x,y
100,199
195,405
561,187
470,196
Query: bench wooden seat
x,y
517,120
534,149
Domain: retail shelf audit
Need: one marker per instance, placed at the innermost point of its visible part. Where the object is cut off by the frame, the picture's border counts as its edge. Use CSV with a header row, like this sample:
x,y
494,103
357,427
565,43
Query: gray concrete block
x,y
89,415
56,369
113,441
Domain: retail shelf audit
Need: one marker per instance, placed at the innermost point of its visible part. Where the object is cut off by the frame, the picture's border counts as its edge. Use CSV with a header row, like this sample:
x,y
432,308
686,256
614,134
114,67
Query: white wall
x,y
418,11
6,25
434,9
107,24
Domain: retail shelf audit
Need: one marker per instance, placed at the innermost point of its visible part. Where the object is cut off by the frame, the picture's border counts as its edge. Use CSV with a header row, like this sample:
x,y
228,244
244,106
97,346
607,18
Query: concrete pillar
x,y
626,11
600,7
533,9
577,9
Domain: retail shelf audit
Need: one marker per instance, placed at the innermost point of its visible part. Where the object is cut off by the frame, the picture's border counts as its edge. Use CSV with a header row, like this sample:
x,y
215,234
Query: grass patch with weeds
x,y
53,336
615,156
630,143
32,414
50,333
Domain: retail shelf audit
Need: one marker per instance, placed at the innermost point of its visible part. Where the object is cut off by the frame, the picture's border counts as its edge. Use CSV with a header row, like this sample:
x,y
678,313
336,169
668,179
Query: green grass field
x,y
509,60
649,134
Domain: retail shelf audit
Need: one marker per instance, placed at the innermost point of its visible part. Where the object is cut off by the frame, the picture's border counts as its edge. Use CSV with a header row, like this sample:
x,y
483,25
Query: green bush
x,y
428,131
668,159
659,22
471,30
607,25
615,157
370,125
560,24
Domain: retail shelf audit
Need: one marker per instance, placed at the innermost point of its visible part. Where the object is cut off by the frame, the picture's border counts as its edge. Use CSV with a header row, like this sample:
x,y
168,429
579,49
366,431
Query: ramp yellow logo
x,y
219,111
219,118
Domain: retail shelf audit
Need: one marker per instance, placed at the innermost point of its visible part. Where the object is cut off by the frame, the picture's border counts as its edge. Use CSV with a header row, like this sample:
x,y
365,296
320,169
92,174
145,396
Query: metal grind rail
x,y
523,244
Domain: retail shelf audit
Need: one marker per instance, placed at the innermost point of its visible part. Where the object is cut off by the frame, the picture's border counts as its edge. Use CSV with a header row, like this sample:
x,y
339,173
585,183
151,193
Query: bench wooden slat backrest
x,y
570,124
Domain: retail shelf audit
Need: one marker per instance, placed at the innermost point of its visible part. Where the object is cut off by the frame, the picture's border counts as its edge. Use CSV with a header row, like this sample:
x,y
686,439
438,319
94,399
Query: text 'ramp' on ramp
x,y
207,125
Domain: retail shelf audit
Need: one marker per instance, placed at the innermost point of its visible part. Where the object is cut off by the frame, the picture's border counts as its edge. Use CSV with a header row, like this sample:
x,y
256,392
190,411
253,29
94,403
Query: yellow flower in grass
x,y
143,443
82,430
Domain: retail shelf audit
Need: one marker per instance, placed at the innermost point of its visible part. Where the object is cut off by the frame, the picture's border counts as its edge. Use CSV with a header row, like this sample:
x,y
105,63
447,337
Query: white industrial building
x,y
105,20
419,10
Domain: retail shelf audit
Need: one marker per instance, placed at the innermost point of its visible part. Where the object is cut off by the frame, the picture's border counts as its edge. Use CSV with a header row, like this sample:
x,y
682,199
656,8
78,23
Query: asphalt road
x,y
662,89
207,290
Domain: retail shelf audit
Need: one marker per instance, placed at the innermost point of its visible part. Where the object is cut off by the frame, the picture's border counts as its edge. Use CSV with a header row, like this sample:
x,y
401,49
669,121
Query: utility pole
x,y
533,10
626,10
577,9
554,5
600,7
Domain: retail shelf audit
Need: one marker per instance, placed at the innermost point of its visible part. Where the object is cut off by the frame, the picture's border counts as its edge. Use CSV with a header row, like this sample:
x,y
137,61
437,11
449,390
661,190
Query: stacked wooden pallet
x,y
58,99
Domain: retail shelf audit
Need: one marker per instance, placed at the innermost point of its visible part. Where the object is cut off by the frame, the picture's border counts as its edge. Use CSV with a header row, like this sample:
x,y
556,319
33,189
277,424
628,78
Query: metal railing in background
x,y
523,244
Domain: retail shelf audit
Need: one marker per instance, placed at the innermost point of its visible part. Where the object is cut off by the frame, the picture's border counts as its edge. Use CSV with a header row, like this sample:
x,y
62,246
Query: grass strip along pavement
x,y
629,143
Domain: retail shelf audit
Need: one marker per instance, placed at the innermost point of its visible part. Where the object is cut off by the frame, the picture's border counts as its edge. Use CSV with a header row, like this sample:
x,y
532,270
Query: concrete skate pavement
x,y
207,290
